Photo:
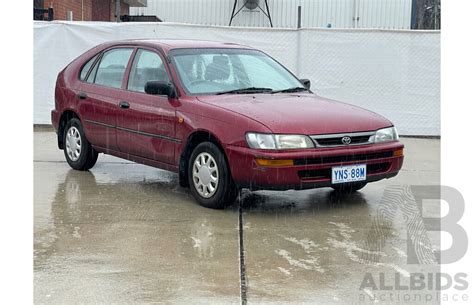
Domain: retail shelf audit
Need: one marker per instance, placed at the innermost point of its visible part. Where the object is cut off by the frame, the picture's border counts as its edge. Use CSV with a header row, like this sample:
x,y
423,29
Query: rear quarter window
x,y
85,69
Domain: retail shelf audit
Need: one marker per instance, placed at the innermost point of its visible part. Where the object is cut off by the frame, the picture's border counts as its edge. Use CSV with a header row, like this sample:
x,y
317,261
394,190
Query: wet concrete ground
x,y
127,233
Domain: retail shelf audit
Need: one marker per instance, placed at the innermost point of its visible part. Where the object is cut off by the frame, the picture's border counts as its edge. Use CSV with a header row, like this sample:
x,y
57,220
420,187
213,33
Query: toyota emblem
x,y
346,140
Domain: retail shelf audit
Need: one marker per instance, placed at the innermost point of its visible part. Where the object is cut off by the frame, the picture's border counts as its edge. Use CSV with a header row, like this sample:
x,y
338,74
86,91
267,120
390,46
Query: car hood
x,y
300,113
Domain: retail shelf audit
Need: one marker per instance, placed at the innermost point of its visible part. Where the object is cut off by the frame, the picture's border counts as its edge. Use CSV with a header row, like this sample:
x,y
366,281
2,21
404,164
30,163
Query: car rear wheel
x,y
348,187
209,177
78,151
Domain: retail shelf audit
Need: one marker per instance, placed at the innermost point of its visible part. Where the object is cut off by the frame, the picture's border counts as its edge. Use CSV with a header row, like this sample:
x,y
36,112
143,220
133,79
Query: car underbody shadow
x,y
297,201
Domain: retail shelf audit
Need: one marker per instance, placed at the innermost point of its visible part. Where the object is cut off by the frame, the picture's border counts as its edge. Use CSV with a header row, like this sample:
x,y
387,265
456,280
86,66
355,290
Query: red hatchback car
x,y
223,116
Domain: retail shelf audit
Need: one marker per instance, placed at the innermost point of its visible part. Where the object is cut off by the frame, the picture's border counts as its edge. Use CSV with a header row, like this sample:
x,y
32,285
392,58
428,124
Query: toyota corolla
x,y
223,116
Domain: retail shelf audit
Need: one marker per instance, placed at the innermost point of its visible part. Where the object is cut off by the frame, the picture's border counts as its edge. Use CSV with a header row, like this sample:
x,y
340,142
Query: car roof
x,y
170,44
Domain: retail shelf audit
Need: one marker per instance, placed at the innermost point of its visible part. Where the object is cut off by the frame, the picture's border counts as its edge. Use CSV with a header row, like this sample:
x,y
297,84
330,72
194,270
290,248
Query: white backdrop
x,y
394,73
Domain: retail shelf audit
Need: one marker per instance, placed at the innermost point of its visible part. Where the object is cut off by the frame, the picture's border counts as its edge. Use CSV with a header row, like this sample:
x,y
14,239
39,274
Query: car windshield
x,y
231,71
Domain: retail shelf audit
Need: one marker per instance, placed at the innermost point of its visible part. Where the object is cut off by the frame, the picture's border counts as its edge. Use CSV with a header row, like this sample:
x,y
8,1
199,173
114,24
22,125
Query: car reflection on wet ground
x,y
127,233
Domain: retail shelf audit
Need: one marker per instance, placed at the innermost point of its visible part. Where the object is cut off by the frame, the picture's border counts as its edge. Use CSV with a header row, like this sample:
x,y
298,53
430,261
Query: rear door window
x,y
111,69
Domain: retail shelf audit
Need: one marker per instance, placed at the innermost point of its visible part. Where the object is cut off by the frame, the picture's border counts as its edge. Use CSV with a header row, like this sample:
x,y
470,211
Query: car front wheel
x,y
78,151
209,177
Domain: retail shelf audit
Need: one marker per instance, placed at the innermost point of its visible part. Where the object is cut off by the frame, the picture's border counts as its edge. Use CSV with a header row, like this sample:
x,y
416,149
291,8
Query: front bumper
x,y
312,167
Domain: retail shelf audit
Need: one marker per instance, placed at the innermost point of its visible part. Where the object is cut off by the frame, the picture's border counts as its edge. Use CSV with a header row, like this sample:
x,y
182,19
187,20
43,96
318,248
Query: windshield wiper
x,y
246,90
290,90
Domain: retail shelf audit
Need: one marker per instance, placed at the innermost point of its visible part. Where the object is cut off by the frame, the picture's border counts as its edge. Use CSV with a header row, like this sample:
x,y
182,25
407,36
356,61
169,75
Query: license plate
x,y
350,173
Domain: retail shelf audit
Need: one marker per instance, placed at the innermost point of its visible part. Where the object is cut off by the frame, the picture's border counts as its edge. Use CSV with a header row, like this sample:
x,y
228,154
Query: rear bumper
x,y
312,168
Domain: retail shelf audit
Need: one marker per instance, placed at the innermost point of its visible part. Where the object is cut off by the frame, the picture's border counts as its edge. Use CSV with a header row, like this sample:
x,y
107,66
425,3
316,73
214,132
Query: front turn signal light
x,y
398,153
268,162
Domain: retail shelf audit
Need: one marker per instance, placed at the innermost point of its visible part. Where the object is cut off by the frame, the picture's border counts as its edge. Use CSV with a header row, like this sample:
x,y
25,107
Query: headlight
x,y
386,135
282,141
293,141
261,141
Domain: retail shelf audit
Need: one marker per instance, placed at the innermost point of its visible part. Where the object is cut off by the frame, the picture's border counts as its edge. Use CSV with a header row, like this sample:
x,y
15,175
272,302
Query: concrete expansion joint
x,y
243,277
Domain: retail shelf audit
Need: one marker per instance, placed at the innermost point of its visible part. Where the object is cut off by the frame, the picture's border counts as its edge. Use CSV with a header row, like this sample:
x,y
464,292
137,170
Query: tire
x,y
348,188
211,184
78,151
183,175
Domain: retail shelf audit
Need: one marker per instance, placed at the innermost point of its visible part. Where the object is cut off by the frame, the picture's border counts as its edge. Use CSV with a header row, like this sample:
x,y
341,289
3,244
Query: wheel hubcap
x,y
205,175
73,143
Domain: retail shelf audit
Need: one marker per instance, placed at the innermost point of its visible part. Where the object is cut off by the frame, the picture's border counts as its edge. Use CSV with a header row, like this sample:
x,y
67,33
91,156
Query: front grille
x,y
340,139
343,158
325,173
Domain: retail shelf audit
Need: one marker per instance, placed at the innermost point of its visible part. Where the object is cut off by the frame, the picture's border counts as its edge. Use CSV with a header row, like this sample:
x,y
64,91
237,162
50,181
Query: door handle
x,y
82,95
124,105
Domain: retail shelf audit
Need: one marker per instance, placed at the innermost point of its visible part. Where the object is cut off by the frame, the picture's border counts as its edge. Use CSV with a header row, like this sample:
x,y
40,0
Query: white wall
x,y
394,73
382,14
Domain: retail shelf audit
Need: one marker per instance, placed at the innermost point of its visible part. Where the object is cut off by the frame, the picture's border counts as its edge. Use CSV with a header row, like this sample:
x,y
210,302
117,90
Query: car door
x,y
99,96
146,123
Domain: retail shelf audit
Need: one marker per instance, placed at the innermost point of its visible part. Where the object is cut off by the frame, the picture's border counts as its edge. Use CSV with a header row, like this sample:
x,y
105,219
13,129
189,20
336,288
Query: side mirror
x,y
306,83
161,88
